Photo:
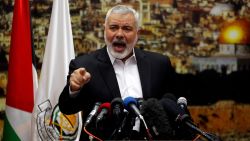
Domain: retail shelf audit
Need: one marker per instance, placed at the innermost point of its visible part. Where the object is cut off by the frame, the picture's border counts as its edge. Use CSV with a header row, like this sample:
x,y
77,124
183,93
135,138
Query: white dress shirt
x,y
127,75
128,78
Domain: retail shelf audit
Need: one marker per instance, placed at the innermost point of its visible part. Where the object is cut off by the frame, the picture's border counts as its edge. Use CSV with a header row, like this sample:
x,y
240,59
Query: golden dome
x,y
235,32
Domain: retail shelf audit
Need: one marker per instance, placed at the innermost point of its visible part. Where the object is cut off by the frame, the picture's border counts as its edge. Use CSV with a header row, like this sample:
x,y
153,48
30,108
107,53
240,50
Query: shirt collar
x,y
112,59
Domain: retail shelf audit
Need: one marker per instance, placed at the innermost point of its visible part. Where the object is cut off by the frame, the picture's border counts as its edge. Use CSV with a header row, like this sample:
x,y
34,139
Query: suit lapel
x,y
107,72
144,69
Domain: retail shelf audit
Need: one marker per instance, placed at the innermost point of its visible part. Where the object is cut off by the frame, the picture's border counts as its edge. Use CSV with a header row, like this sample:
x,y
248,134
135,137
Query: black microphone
x,y
103,111
156,119
117,108
92,113
172,109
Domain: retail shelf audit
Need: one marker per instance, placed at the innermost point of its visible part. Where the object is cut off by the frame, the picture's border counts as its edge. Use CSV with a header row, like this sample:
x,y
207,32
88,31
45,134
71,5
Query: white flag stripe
x,y
20,120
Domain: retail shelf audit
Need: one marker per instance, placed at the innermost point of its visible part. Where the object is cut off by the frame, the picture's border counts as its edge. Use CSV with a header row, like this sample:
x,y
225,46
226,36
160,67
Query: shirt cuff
x,y
73,94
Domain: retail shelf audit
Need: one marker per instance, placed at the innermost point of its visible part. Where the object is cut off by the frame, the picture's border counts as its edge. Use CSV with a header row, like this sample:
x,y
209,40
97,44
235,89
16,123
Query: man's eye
x,y
127,29
112,27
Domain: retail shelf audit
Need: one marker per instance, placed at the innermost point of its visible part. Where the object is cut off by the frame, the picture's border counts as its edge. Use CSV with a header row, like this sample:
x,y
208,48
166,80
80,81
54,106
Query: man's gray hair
x,y
123,9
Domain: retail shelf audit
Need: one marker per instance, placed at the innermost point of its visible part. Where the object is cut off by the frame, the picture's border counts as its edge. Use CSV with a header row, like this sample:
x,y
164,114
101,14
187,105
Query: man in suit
x,y
117,70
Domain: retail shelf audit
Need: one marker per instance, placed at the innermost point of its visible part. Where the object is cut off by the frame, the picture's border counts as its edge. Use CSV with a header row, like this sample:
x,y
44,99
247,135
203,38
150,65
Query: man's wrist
x,y
73,93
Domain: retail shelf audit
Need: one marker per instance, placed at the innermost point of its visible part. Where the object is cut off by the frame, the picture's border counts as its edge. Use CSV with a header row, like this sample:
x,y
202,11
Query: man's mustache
x,y
119,42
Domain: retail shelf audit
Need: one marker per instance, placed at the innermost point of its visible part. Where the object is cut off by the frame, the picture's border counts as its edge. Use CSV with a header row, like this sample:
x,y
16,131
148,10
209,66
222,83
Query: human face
x,y
121,35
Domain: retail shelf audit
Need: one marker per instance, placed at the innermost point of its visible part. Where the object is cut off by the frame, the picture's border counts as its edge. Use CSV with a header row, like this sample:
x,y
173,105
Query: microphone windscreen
x,y
105,105
117,109
157,119
170,107
169,96
117,101
129,100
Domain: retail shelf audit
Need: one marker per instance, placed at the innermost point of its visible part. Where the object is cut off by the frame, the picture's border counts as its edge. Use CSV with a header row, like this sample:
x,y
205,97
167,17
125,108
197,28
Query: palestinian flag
x,y
22,77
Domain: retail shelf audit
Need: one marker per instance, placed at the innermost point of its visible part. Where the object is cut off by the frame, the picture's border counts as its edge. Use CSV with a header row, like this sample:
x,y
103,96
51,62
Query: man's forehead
x,y
116,18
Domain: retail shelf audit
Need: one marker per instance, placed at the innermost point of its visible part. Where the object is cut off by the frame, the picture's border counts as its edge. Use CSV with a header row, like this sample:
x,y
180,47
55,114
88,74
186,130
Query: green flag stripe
x,y
8,133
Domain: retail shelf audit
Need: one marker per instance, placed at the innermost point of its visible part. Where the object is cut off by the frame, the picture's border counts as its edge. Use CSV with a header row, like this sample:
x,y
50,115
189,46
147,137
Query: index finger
x,y
82,71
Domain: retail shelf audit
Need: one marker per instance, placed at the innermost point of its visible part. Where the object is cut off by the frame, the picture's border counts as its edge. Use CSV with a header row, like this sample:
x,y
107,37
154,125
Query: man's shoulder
x,y
151,54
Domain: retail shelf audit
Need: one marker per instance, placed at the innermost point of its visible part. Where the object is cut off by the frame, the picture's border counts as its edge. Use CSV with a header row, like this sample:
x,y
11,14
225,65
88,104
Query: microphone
x,y
103,111
182,102
180,116
157,119
117,108
130,104
92,113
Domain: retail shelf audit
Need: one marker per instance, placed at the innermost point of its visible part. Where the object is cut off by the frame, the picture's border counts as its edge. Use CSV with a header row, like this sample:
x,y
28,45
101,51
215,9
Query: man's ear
x,y
104,26
139,31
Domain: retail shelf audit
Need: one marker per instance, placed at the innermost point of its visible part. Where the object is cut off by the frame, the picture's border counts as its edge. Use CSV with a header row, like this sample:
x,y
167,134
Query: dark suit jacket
x,y
155,70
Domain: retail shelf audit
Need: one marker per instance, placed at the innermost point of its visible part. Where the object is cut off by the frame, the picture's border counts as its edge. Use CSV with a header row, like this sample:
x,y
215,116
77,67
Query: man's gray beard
x,y
122,55
118,55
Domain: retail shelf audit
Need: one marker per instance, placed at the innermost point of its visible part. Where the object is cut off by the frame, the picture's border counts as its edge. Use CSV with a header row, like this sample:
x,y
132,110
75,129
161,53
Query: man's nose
x,y
119,34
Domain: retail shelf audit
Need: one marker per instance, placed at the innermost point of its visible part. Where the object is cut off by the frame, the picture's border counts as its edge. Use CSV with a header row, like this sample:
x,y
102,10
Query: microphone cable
x,y
90,134
197,137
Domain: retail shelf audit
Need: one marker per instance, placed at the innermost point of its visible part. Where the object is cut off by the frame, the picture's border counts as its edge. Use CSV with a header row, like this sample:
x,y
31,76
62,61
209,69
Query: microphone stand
x,y
122,131
184,118
117,132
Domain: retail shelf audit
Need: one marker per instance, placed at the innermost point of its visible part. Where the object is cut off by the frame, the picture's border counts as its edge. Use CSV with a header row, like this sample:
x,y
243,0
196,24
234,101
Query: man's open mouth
x,y
119,45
